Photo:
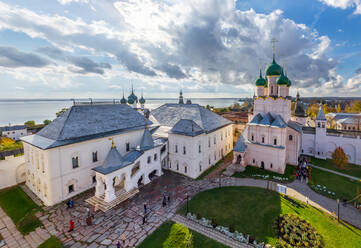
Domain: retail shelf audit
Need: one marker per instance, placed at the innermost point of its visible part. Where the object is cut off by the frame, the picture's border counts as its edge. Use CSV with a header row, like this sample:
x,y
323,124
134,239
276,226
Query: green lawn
x,y
258,173
20,208
212,168
156,239
351,169
254,210
341,186
52,242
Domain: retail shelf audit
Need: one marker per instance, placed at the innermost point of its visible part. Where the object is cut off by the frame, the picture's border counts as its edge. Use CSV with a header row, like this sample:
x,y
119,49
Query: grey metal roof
x,y
114,161
240,145
268,120
169,114
13,128
132,156
187,127
321,115
294,125
147,140
85,122
338,116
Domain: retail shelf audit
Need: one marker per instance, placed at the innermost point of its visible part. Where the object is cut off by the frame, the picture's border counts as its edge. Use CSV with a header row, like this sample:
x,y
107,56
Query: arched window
x,y
252,137
200,166
290,137
318,124
185,169
262,139
275,142
262,165
271,165
184,150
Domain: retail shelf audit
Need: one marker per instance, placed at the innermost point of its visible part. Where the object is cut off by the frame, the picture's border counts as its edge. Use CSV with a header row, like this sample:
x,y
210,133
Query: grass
x,y
212,168
351,169
343,187
251,171
253,211
52,242
156,239
20,208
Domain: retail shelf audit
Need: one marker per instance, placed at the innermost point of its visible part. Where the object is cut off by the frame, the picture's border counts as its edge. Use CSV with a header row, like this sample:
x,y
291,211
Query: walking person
x,y
144,220
145,208
118,244
88,212
123,238
168,199
164,203
71,226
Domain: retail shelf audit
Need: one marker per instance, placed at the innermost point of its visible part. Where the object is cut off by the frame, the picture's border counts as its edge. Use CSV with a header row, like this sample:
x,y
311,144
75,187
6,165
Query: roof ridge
x,y
67,117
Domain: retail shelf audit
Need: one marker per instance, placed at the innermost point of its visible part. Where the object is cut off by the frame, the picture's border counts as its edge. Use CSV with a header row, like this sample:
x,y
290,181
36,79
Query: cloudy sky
x,y
209,48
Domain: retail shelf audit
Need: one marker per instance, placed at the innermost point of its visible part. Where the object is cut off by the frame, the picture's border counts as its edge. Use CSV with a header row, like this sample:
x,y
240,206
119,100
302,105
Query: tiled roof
x,y
268,120
294,125
85,122
187,127
13,128
169,114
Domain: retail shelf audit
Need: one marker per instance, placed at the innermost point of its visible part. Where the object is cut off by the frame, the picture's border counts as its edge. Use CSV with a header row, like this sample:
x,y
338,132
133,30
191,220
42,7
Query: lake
x,y
20,111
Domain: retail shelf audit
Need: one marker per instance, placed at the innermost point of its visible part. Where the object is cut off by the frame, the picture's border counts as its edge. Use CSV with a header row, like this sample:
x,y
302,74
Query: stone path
x,y
216,173
126,218
14,239
209,232
336,172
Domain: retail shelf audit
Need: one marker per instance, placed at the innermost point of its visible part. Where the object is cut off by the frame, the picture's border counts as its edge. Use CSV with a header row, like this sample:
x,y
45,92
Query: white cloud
x,y
114,86
344,4
208,42
19,88
63,2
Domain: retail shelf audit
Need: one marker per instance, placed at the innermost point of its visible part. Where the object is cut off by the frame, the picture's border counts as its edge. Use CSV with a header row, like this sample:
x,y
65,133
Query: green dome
x,y
282,80
261,81
142,100
289,83
273,69
123,100
132,98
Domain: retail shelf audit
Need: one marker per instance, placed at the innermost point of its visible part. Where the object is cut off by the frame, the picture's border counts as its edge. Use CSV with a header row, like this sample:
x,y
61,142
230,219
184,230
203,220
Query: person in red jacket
x,y
71,225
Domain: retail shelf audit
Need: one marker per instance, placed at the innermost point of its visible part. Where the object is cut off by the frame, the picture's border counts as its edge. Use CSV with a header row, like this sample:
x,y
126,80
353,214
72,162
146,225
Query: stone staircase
x,y
121,195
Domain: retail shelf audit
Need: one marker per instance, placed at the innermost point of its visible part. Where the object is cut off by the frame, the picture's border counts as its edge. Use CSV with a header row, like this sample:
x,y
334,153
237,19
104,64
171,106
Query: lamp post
x,y
219,180
338,210
187,203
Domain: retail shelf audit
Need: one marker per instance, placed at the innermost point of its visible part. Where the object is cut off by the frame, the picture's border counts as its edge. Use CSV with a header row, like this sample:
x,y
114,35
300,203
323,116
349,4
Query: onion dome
x,y
282,80
142,100
132,98
289,82
123,100
261,81
273,69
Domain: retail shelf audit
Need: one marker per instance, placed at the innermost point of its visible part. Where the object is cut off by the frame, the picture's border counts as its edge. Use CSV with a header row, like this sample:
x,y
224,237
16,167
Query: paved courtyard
x,y
127,218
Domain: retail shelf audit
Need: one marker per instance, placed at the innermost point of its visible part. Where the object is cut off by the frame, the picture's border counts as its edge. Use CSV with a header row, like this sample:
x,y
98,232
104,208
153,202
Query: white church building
x,y
276,135
118,147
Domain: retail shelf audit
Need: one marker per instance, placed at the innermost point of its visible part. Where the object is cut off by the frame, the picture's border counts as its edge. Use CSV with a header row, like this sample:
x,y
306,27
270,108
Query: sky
x,y
209,48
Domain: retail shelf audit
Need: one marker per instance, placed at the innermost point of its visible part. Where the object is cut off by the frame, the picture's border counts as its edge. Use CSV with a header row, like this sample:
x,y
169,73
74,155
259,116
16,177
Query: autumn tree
x,y
339,158
338,109
312,110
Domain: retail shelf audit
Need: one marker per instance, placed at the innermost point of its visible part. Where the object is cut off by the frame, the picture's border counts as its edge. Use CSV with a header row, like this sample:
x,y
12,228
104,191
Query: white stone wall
x,y
214,146
51,183
279,106
15,134
293,146
322,146
12,171
131,181
256,154
260,91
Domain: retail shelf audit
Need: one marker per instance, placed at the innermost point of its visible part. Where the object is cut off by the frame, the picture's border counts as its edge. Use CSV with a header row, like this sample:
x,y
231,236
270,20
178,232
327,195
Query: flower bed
x,y
234,234
271,177
323,189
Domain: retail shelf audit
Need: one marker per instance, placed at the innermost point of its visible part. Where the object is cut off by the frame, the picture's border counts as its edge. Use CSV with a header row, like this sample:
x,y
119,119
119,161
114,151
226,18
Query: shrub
x,y
199,216
293,231
214,223
179,237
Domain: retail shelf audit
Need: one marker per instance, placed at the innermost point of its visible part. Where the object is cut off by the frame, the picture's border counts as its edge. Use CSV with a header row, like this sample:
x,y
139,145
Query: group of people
x,y
302,170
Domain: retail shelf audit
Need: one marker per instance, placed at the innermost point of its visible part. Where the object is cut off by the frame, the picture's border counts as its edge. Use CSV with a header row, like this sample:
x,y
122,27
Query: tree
x,y
61,111
179,237
312,110
46,122
338,109
339,158
30,123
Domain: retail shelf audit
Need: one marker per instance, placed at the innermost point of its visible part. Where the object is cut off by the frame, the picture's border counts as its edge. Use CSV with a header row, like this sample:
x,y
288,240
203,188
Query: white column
x,y
159,172
146,178
99,188
109,192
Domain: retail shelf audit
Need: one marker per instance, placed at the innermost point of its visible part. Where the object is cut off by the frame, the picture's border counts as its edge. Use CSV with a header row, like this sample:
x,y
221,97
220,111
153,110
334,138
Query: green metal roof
x,y
273,69
261,81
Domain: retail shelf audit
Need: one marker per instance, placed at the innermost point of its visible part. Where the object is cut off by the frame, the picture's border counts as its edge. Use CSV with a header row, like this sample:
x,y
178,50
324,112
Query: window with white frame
x,y
75,162
95,156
